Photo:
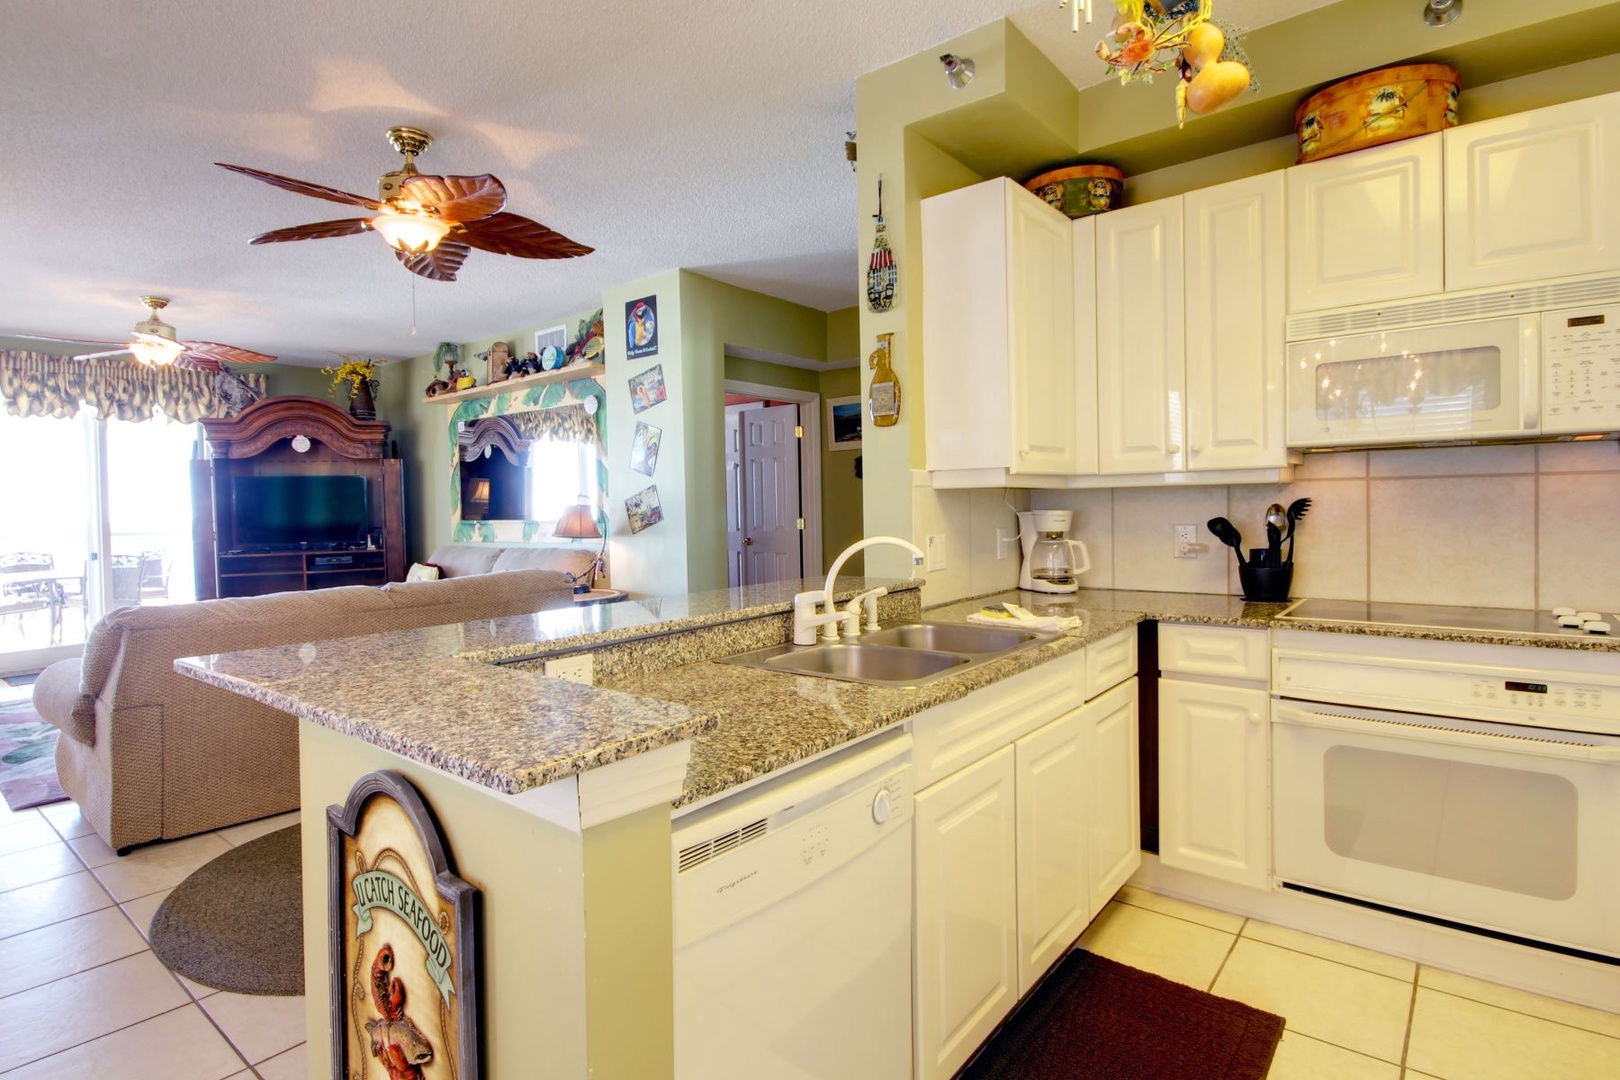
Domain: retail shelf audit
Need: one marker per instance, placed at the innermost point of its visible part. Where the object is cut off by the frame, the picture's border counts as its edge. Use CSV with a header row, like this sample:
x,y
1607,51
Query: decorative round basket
x,y
1079,190
1375,108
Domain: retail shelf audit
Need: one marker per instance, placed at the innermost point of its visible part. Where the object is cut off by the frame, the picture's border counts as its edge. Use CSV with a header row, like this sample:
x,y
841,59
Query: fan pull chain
x,y
413,305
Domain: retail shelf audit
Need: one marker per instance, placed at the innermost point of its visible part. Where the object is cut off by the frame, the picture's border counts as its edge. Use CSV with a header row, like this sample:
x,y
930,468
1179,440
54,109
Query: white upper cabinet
x,y
1530,196
1140,357
1000,385
1235,324
1366,226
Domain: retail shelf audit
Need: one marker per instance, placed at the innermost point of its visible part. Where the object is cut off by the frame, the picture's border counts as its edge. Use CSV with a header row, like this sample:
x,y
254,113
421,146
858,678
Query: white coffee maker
x,y
1052,561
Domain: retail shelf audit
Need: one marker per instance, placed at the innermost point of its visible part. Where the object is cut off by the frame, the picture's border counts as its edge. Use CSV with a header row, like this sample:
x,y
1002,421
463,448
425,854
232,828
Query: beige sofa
x,y
149,754
459,560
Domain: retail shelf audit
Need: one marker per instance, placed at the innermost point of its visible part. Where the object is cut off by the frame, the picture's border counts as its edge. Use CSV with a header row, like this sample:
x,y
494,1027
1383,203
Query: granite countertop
x,y
768,720
436,696
441,696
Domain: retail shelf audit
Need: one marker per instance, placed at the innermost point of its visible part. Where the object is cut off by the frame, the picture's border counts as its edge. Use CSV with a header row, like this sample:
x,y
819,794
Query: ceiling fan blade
x,y
208,355
456,198
318,230
102,355
440,264
510,234
62,340
304,187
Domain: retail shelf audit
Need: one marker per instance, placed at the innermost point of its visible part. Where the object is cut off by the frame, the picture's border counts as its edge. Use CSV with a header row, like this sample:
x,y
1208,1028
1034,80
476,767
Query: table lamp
x,y
579,523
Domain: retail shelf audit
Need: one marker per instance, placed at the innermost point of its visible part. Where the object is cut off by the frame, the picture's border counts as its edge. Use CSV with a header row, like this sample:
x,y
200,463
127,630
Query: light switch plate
x,y
580,668
936,552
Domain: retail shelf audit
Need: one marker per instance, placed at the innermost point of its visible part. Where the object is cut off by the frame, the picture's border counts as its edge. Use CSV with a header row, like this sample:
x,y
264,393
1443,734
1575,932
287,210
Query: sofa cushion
x,y
569,560
463,560
56,698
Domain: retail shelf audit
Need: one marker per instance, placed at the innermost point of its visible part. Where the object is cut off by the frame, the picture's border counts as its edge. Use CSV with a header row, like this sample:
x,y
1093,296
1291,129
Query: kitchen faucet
x,y
806,619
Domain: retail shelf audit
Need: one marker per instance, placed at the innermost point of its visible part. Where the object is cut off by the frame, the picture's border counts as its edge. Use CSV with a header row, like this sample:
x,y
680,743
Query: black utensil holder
x,y
1268,584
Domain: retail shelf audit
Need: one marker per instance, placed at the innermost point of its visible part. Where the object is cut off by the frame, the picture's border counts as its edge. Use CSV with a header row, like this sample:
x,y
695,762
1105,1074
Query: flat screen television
x,y
286,511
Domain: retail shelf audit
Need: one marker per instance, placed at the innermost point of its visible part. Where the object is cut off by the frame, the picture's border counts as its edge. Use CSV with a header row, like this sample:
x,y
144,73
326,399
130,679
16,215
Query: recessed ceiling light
x,y
1441,12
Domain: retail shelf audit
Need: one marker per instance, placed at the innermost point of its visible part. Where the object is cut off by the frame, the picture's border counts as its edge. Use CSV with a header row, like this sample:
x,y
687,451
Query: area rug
x,y
27,757
1095,1019
237,923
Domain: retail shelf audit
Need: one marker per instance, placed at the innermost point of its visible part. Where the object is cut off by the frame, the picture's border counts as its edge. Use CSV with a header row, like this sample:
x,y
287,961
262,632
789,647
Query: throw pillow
x,y
422,571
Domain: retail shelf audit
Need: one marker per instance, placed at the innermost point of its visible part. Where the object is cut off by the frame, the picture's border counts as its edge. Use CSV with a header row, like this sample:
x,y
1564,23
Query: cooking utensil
x,y
1276,522
1226,533
1296,510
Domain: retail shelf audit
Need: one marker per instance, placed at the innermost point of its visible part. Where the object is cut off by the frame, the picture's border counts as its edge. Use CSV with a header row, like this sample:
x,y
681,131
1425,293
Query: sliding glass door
x,y
93,515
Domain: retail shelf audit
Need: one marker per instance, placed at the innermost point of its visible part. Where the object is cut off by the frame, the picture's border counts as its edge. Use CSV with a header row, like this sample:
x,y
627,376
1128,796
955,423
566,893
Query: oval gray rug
x,y
237,923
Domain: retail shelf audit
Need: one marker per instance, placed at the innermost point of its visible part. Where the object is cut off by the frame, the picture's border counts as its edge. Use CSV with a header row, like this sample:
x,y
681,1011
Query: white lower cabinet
x,y
1214,773
1116,810
1016,852
1054,868
967,912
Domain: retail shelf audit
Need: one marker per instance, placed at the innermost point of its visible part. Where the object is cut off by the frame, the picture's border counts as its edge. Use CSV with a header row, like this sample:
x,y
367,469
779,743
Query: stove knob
x,y
1588,616
881,806
1570,621
1596,627
1560,612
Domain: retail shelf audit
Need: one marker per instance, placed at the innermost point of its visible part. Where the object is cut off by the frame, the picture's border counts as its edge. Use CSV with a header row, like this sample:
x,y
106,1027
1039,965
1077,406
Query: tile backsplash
x,y
1488,526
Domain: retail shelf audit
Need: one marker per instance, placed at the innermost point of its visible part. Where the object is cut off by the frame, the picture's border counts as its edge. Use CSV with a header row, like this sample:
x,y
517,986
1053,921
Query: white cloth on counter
x,y
1013,615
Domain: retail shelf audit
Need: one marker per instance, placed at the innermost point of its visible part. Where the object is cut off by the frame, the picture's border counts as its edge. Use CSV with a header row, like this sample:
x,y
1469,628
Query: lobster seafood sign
x,y
403,941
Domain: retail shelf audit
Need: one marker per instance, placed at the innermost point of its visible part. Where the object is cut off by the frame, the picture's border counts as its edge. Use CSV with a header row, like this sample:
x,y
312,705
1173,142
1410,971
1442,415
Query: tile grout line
x,y
1230,949
1527,1015
103,1035
81,971
1411,1015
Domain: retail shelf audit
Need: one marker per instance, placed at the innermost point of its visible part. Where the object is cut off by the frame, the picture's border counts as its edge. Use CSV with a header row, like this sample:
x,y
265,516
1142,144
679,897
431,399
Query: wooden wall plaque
x,y
403,944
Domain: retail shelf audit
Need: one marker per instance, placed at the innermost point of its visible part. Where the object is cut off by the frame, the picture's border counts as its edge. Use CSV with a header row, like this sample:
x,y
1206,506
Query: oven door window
x,y
1508,829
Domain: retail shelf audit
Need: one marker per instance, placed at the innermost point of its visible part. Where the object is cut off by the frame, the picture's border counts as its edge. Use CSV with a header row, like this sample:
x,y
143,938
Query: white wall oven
x,y
1476,784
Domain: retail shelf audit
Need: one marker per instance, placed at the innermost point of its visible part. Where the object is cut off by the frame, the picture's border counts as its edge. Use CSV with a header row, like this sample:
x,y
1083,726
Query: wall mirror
x,y
527,467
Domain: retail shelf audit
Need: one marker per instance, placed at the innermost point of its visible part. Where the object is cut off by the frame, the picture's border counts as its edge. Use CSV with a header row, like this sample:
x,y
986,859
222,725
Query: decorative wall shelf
x,y
505,386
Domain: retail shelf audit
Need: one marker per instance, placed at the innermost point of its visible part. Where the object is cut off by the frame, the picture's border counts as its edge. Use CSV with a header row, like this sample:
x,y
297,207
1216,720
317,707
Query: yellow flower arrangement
x,y
352,372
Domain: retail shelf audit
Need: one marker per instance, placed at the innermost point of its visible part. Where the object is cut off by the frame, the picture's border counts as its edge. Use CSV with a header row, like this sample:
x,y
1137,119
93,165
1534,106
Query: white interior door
x,y
734,496
769,490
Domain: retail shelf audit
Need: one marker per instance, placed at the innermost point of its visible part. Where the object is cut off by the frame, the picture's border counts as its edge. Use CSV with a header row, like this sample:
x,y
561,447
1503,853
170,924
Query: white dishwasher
x,y
793,924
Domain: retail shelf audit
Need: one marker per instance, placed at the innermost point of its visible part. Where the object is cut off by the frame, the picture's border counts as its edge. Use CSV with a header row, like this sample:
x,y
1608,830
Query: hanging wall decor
x,y
643,509
881,273
884,394
644,448
641,327
1150,37
647,389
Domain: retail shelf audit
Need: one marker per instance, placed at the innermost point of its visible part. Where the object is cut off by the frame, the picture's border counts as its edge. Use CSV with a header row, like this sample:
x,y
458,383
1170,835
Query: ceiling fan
x,y
431,222
153,342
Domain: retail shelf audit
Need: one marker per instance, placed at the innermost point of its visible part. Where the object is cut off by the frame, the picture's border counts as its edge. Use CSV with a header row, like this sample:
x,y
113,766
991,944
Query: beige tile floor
x,y
1354,1014
81,993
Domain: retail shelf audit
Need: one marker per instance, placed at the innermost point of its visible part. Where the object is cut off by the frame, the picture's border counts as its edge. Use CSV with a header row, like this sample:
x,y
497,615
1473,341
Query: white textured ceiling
x,y
693,134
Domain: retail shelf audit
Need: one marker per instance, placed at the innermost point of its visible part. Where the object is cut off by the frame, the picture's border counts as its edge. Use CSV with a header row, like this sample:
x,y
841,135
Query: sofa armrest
x,y
57,699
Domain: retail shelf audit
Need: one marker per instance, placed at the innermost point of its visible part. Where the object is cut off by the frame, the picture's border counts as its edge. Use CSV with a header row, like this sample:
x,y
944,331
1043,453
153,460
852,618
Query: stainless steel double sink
x,y
909,655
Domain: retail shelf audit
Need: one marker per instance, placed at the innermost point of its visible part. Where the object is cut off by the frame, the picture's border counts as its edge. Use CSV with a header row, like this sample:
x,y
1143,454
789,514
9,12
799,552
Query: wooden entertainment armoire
x,y
292,437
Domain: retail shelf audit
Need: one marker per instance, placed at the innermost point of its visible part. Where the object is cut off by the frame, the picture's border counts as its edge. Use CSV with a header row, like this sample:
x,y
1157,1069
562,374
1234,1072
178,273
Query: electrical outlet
x,y
1186,542
579,668
1006,542
936,552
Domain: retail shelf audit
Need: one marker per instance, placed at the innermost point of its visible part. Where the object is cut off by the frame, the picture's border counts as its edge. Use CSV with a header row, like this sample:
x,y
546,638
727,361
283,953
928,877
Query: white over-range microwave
x,y
1531,375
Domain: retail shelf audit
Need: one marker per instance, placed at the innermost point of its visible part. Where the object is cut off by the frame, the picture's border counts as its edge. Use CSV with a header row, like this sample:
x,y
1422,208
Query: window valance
x,y
38,384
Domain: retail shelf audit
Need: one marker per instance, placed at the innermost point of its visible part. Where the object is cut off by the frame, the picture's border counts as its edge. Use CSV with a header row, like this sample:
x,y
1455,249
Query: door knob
x,y
748,541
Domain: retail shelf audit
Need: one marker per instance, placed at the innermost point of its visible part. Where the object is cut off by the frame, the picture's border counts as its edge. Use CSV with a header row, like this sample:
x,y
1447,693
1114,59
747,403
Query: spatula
x,y
1296,510
1227,533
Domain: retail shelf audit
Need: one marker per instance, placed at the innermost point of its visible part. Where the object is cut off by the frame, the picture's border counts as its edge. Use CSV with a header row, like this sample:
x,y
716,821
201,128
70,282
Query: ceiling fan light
x,y
155,351
414,234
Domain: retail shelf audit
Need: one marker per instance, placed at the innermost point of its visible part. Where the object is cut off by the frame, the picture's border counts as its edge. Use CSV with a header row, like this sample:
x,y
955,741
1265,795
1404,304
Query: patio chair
x,y
154,583
126,579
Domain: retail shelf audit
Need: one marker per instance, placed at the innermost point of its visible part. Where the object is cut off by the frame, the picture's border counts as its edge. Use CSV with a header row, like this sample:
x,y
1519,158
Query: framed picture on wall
x,y
844,423
644,448
644,509
647,389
